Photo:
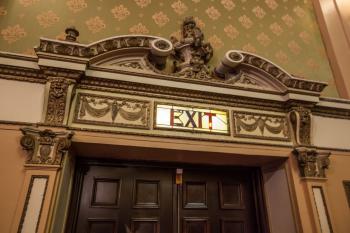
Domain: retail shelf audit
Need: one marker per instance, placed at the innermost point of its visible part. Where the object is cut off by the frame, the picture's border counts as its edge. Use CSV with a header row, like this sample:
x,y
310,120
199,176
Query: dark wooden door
x,y
217,201
138,199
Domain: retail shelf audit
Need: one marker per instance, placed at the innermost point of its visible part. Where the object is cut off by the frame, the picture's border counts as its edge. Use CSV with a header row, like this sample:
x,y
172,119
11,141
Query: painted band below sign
x,y
191,119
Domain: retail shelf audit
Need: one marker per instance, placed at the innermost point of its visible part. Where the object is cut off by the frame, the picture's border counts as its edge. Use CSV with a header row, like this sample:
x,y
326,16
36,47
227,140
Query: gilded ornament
x,y
231,31
120,12
228,4
160,19
142,3
47,19
271,4
213,13
139,29
288,20
95,24
259,12
179,7
245,21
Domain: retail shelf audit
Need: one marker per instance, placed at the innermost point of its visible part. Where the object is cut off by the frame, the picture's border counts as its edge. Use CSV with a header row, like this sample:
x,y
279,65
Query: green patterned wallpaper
x,y
283,31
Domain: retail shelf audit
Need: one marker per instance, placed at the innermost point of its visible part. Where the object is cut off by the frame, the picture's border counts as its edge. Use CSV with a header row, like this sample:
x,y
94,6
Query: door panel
x,y
137,199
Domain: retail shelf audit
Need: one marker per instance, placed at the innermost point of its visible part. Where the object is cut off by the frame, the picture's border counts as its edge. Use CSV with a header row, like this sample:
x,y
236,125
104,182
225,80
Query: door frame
x,y
82,166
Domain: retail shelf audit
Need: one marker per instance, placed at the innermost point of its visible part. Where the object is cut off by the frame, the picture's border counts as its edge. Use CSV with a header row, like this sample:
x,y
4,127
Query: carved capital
x,y
312,163
45,147
300,119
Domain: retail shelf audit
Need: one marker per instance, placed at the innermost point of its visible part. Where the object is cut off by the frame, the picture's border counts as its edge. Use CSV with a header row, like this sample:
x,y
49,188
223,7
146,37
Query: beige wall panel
x,y
331,132
277,196
338,206
11,175
21,101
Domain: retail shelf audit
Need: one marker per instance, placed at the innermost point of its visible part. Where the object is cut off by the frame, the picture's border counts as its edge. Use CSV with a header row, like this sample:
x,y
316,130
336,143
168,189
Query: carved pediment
x,y
183,59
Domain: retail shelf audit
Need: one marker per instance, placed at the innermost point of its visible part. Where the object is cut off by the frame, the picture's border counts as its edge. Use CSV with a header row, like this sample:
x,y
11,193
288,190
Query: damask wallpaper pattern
x,y
284,31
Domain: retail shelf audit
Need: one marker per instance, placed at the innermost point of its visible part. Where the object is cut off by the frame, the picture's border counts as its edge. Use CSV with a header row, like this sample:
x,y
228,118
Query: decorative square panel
x,y
146,194
231,195
195,195
145,225
106,193
195,225
104,110
102,226
261,126
231,226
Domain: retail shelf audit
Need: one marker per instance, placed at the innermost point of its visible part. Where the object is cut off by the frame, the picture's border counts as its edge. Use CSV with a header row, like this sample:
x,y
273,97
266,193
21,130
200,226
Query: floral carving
x,y
47,19
276,29
256,125
76,5
139,29
160,18
179,7
3,11
120,12
95,24
312,163
300,120
27,3
259,12
13,33
245,21
45,147
56,106
142,3
228,4
231,31
105,110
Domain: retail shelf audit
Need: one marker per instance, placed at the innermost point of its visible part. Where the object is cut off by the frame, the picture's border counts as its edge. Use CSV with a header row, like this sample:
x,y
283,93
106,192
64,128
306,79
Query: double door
x,y
129,198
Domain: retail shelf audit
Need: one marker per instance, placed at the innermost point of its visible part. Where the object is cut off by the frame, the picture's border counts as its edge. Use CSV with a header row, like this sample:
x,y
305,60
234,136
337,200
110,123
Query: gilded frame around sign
x,y
190,131
97,123
236,134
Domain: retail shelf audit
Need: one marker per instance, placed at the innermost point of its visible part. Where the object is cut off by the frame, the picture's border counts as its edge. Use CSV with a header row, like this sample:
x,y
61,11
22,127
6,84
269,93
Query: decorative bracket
x,y
45,147
312,163
300,119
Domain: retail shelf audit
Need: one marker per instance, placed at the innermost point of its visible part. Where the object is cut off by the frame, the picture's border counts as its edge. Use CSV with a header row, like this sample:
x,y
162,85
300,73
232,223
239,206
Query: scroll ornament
x,y
45,147
300,120
274,125
115,107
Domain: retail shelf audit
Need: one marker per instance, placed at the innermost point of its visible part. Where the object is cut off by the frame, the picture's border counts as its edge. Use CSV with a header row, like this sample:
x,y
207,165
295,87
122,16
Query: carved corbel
x,y
300,119
45,147
160,50
312,163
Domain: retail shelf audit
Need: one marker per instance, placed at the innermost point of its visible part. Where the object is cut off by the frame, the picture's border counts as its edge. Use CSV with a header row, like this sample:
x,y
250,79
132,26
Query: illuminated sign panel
x,y
191,119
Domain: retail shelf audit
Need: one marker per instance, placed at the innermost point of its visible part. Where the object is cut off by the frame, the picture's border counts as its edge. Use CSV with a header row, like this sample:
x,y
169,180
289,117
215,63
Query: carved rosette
x,y
312,163
45,147
57,98
300,119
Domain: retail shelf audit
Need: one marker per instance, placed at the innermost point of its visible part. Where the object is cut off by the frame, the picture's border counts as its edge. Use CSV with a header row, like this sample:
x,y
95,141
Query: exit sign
x,y
185,118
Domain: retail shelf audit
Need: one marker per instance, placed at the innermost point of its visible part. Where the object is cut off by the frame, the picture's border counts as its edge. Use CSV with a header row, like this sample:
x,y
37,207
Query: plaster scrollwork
x,y
56,105
312,163
113,111
264,126
45,147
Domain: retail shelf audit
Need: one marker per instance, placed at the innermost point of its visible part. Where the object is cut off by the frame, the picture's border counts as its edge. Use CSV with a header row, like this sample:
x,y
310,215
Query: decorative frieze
x,y
312,163
45,147
111,111
300,120
257,125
